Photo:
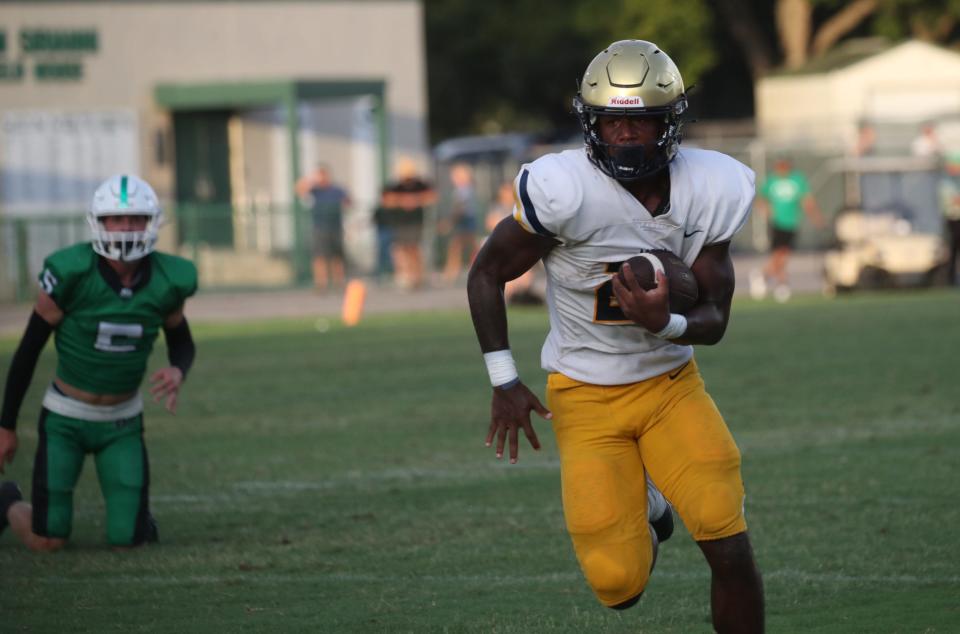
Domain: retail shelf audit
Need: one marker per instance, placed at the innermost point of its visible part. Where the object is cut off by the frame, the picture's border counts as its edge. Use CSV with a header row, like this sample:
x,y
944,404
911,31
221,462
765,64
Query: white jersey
x,y
600,225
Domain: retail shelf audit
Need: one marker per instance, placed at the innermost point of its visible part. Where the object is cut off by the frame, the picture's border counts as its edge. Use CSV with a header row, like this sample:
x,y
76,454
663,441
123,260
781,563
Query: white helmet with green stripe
x,y
125,195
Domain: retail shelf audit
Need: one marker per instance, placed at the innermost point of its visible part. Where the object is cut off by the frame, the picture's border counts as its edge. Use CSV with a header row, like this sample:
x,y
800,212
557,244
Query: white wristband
x,y
674,328
501,367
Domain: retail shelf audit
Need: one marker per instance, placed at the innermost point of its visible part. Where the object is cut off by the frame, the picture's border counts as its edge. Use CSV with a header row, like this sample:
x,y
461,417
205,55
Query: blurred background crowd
x,y
305,143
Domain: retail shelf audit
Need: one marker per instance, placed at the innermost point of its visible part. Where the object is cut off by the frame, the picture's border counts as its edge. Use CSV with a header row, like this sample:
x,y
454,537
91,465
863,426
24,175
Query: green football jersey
x,y
107,332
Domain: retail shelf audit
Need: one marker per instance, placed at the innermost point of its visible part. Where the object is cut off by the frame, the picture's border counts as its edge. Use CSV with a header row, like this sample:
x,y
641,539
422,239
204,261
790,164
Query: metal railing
x,y
266,231
225,235
26,241
215,237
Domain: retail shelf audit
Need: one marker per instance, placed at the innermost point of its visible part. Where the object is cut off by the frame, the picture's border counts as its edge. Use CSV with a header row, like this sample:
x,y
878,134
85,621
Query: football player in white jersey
x,y
624,393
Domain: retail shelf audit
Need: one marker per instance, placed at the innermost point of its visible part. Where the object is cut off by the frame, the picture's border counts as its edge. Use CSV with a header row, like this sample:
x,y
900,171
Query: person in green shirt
x,y
105,301
784,198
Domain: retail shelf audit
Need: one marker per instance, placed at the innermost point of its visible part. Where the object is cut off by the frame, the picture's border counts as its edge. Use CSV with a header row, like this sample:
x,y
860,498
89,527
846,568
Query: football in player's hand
x,y
683,285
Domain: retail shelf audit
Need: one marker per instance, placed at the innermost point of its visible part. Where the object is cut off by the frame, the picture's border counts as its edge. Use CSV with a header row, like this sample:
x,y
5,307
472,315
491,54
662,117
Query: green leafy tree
x,y
936,21
514,65
682,28
807,29
500,65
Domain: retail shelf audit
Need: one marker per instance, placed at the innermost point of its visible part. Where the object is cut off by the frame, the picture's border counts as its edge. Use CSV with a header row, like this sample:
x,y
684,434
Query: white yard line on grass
x,y
255,577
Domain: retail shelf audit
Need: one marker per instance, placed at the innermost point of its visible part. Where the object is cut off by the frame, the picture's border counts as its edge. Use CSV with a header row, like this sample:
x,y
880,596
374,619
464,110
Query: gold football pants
x,y
607,435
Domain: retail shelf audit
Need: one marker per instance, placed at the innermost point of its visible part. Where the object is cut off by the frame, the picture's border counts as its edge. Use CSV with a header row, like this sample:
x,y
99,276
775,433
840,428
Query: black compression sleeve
x,y
180,348
21,368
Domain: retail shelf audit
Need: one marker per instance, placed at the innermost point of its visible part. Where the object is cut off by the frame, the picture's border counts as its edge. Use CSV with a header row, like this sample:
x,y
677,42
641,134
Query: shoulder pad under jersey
x,y
724,188
63,268
180,272
548,193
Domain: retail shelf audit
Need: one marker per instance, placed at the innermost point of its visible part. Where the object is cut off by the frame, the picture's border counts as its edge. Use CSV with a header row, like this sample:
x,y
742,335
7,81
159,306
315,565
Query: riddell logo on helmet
x,y
625,101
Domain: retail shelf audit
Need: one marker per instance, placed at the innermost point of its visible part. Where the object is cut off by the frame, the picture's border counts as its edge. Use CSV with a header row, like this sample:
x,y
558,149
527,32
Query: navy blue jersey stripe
x,y
531,213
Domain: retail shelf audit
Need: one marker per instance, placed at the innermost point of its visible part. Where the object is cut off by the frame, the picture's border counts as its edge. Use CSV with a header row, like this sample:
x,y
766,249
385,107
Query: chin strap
x,y
630,161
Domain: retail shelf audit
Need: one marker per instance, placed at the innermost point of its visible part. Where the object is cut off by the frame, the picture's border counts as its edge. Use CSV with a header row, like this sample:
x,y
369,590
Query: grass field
x,y
338,482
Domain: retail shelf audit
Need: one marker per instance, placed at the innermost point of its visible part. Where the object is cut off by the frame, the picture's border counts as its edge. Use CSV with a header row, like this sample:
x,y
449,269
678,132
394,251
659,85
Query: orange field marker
x,y
353,299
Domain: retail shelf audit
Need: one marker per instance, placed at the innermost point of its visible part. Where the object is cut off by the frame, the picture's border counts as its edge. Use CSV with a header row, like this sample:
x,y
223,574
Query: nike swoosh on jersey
x,y
687,235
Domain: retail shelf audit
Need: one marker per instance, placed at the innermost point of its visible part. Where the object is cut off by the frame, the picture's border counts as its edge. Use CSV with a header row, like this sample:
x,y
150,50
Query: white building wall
x,y
142,44
911,82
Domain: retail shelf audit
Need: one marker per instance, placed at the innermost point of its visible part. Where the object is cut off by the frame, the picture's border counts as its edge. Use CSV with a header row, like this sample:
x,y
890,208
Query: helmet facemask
x,y
125,246
124,196
634,161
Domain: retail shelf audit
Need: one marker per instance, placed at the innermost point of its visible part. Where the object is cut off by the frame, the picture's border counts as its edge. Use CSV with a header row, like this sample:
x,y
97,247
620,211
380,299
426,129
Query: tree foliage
x,y
508,65
936,21
514,64
807,29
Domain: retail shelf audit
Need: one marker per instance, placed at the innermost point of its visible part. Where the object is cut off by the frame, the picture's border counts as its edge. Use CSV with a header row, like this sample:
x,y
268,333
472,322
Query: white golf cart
x,y
894,237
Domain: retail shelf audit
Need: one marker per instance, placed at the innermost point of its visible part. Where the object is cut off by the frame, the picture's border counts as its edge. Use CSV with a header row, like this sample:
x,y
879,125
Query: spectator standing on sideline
x,y
500,209
402,210
381,218
866,141
519,290
926,144
327,202
950,205
461,222
783,198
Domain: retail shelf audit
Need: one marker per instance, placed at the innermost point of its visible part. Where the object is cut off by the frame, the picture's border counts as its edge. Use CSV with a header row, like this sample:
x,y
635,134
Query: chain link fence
x,y
270,245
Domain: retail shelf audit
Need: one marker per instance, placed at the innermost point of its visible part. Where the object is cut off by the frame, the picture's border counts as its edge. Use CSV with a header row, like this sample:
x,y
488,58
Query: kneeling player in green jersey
x,y
106,301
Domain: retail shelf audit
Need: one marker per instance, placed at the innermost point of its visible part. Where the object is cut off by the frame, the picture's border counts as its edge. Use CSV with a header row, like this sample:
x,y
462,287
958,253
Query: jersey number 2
x,y
606,309
106,331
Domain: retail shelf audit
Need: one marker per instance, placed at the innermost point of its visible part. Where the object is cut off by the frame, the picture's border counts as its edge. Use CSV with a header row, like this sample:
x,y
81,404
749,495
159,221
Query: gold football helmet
x,y
631,78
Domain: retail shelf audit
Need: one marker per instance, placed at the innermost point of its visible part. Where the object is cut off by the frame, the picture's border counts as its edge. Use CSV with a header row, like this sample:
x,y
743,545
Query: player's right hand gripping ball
x,y
683,285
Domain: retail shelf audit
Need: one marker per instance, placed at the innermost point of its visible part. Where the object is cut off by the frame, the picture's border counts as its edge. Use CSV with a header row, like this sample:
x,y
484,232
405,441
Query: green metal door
x,y
204,209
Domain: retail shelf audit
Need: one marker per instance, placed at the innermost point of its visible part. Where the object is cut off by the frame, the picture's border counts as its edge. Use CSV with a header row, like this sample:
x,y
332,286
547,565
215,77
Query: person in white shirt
x,y
926,144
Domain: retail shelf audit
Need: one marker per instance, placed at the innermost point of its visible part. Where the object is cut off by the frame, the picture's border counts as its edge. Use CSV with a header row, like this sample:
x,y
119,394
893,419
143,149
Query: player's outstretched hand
x,y
165,384
8,446
510,411
650,309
